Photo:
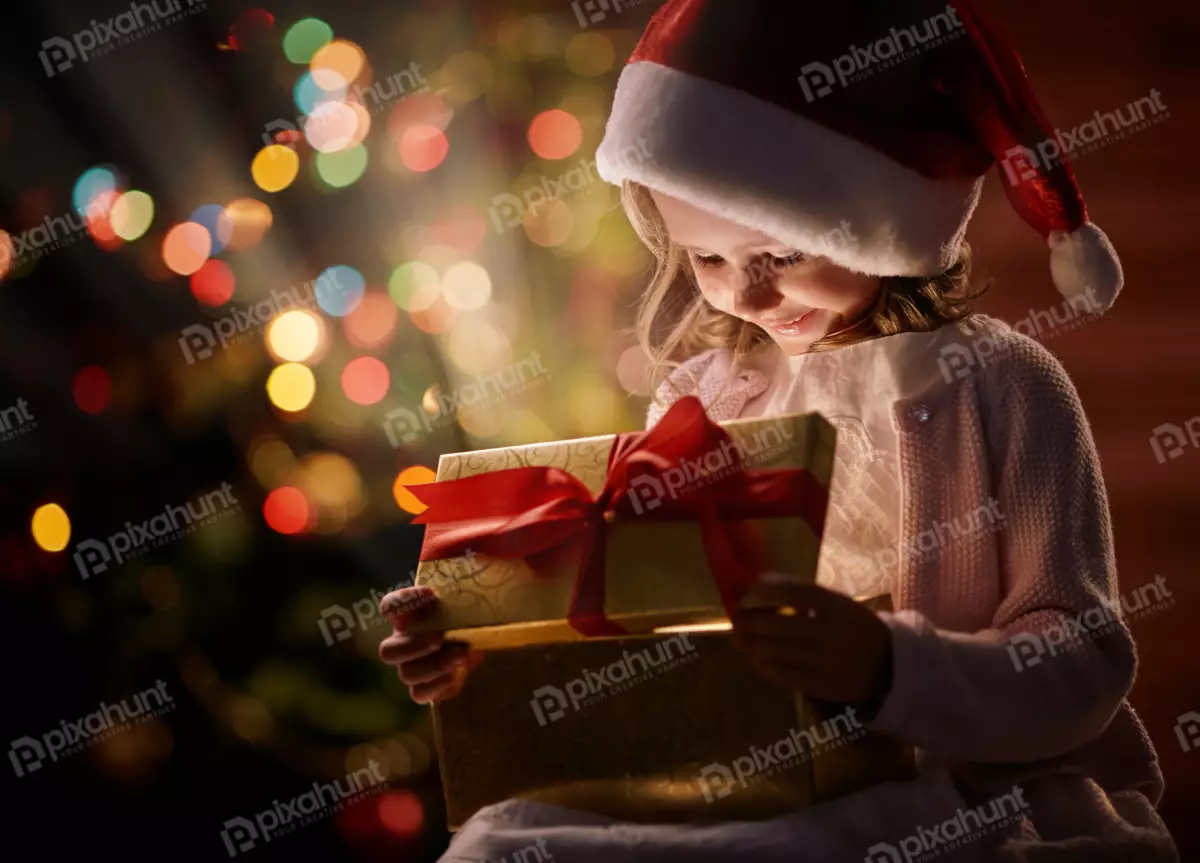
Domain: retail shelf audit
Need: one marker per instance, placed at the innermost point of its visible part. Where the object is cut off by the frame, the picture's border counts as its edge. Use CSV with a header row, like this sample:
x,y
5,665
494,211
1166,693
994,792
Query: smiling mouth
x,y
794,326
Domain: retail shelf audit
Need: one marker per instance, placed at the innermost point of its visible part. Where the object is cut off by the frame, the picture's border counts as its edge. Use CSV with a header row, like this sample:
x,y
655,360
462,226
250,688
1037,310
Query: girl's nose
x,y
756,291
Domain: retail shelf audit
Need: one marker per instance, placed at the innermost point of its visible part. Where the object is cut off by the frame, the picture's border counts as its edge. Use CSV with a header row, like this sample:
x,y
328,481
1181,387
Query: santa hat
x,y
860,131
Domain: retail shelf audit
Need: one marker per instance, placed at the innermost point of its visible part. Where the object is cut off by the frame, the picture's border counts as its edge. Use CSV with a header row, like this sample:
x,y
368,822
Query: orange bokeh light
x,y
555,134
415,475
186,247
423,147
286,510
372,324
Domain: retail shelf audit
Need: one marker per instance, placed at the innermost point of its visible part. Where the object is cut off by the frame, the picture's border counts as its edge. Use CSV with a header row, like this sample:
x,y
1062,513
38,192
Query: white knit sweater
x,y
1003,430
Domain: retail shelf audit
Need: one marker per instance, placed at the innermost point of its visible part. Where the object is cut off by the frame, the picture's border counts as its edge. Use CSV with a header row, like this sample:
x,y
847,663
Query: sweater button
x,y
921,414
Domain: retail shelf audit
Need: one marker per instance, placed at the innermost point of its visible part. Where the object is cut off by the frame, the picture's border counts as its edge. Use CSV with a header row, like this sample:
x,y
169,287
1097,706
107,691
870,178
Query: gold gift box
x,y
656,572
640,749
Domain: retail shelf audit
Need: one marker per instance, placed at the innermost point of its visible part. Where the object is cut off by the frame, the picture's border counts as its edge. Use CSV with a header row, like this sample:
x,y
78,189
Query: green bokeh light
x,y
343,167
305,38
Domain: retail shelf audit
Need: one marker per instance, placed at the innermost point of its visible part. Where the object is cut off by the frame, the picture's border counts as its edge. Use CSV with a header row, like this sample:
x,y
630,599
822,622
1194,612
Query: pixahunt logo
x,y
28,754
93,557
594,11
1027,649
242,834
1021,164
50,236
818,79
103,37
551,703
338,623
16,421
647,492
986,517
1187,730
1168,441
957,361
965,827
405,425
799,748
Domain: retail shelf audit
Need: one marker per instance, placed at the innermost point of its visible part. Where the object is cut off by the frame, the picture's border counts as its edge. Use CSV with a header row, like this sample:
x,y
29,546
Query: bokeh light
x,y
271,461
415,475
462,228
244,223
466,76
209,216
365,380
304,38
372,324
342,168
51,527
309,95
333,486
549,223
291,387
131,215
401,813
414,286
436,318
185,248
6,254
286,510
335,126
91,389
477,347
214,283
339,290
555,134
275,167
466,285
250,28
90,184
99,223
160,587
295,335
632,370
590,54
336,64
423,147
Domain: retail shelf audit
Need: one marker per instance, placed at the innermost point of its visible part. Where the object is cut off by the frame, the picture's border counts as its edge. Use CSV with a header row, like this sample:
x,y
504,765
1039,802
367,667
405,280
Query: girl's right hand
x,y
433,668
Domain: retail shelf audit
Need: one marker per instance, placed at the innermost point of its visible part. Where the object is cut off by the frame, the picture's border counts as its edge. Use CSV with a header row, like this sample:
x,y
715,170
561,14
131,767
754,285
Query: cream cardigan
x,y
984,413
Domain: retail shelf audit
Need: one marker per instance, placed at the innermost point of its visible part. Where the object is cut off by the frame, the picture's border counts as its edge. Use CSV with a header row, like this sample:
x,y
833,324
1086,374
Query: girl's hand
x,y
433,668
824,643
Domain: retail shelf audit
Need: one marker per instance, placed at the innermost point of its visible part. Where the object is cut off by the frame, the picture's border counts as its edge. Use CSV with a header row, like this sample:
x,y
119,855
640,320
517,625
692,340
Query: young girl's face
x,y
744,273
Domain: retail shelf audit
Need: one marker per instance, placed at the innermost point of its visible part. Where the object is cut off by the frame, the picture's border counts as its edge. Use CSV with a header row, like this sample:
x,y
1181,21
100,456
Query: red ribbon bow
x,y
522,512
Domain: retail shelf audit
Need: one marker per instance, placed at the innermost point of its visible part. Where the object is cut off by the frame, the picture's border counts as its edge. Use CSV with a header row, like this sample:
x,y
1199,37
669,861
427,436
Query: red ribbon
x,y
525,511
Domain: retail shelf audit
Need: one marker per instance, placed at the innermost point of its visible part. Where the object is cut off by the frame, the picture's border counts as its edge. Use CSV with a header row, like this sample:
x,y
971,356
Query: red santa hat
x,y
860,131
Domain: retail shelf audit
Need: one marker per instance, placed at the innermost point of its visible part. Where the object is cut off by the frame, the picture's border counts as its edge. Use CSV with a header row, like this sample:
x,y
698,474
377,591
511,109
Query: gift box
x,y
599,574
618,535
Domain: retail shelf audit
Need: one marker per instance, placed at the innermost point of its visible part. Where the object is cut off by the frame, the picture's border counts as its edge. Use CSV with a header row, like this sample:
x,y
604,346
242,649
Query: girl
x,y
806,199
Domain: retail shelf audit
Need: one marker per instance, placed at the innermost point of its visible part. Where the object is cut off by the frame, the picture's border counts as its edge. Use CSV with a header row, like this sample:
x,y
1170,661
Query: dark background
x,y
228,618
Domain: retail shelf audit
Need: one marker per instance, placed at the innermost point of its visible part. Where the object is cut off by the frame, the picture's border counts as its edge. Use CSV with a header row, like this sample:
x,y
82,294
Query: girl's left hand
x,y
816,640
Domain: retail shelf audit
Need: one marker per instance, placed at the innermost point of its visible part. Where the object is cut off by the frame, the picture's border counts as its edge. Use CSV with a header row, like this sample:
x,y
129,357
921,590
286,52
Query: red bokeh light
x,y
91,389
401,812
213,284
365,380
423,148
250,28
555,134
286,510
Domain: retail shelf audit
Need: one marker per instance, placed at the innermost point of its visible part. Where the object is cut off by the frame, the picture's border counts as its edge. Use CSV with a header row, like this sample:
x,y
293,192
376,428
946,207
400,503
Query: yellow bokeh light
x,y
275,167
484,421
295,335
594,405
336,64
549,223
131,215
477,347
590,54
51,527
291,387
272,462
415,475
466,286
330,481
465,77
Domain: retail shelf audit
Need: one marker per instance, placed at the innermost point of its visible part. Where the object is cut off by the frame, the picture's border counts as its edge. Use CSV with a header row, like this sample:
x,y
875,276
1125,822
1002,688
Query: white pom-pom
x,y
1084,263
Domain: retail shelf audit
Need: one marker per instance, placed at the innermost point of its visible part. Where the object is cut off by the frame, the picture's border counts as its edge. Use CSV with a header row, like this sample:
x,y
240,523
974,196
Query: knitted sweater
x,y
985,417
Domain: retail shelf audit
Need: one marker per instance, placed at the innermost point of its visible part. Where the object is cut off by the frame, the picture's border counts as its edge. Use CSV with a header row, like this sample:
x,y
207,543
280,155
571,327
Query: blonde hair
x,y
674,322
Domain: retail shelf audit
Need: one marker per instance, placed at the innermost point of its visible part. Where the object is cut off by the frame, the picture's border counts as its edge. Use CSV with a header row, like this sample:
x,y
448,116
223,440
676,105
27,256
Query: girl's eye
x,y
707,260
788,260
